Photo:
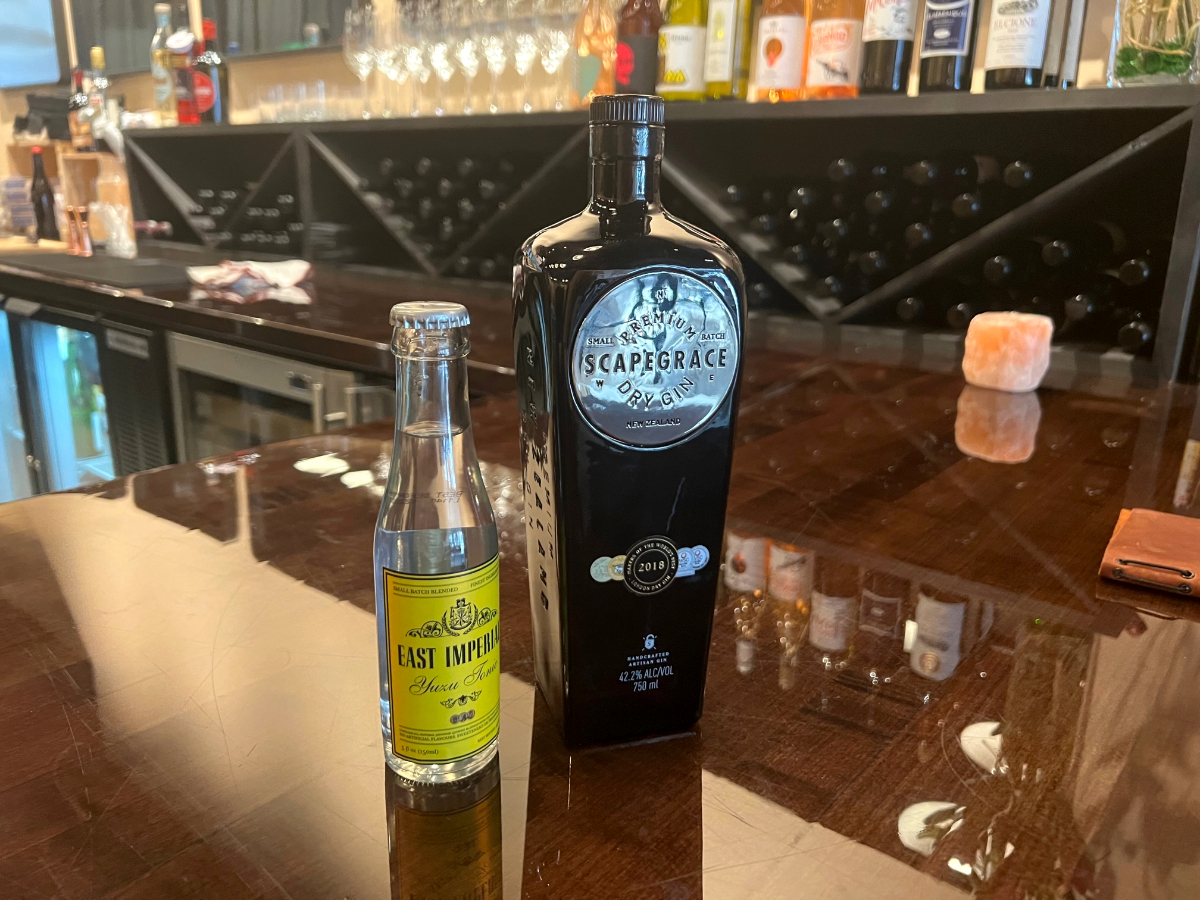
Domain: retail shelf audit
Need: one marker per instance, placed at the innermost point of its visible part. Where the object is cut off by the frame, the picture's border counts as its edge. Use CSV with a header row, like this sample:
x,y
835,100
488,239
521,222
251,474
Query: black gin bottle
x,y
628,337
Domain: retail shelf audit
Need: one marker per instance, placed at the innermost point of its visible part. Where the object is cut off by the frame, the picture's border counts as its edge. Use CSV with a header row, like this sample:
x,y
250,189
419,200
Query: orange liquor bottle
x,y
834,49
777,69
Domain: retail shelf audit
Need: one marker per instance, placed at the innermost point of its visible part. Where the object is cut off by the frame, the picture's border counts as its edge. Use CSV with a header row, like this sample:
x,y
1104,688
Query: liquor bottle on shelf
x,y
727,49
835,604
1016,44
41,197
777,70
211,80
182,45
1136,333
897,205
834,49
681,50
160,65
733,195
969,305
637,369
636,69
1028,178
889,29
595,42
79,114
1017,263
425,549
947,45
852,176
98,84
925,238
1084,245
492,190
1147,267
1093,312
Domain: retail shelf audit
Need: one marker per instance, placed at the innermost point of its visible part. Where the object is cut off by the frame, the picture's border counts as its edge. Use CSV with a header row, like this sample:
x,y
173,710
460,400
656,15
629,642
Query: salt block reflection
x,y
996,425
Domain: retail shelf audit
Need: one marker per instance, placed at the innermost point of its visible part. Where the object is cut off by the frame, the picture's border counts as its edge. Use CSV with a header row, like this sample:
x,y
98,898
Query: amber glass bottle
x,y
595,51
778,67
834,49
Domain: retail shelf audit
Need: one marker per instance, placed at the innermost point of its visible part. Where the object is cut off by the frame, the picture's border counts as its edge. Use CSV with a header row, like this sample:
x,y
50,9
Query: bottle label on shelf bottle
x,y
682,50
789,572
779,65
636,70
745,562
655,358
164,88
443,662
203,87
1017,34
718,55
947,28
889,20
834,51
831,623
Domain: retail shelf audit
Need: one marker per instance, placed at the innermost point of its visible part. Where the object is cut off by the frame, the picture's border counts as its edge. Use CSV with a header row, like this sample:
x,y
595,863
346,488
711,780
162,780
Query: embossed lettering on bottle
x,y
654,359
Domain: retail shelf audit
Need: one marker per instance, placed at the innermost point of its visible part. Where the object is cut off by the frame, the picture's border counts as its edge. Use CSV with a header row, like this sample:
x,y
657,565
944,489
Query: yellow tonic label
x,y
443,662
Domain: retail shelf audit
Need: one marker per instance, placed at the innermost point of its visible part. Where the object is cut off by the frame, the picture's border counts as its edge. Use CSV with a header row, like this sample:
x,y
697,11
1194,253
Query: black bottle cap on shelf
x,y
628,109
734,196
966,205
1018,174
1135,336
803,197
764,224
759,294
960,315
910,309
922,173
1057,253
829,286
841,169
463,266
1134,272
918,234
873,262
1079,307
878,202
798,254
487,268
998,268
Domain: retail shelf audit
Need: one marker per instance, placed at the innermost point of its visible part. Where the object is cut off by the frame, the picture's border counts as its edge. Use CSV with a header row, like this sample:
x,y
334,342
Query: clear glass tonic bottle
x,y
436,562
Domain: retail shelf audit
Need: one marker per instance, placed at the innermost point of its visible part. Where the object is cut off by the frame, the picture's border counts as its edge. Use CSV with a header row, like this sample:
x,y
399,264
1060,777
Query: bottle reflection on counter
x,y
834,618
445,840
882,614
789,587
745,580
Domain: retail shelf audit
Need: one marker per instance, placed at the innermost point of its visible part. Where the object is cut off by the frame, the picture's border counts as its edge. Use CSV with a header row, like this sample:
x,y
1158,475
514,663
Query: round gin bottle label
x,y
654,359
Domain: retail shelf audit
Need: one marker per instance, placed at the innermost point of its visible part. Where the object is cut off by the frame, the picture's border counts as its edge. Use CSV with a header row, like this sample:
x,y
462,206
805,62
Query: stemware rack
x,y
1132,155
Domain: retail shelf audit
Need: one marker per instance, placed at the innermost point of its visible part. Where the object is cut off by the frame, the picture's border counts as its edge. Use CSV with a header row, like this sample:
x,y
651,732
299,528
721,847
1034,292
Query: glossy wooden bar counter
x,y
188,680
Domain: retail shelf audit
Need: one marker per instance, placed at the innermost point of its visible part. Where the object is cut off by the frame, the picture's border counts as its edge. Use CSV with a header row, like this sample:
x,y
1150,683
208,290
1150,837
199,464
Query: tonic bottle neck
x,y
626,164
431,382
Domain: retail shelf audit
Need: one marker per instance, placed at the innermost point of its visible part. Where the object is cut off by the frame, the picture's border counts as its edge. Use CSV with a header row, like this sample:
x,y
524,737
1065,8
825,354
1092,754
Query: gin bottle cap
x,y
628,109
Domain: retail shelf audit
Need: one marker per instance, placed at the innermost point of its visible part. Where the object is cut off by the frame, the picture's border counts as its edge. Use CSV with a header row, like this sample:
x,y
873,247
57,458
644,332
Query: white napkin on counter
x,y
249,282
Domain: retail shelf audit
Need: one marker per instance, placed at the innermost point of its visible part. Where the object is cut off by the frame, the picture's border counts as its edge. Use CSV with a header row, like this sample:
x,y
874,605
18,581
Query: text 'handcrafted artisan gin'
x,y
628,337
437,568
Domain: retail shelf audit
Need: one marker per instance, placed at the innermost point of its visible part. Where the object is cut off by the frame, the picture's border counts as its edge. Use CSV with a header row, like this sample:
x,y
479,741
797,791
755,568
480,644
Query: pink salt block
x,y
1008,351
996,425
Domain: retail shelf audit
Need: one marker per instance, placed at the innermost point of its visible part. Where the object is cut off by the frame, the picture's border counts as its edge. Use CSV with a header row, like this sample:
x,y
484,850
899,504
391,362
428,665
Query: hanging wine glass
x,y
358,46
555,23
434,28
523,42
466,47
494,41
413,52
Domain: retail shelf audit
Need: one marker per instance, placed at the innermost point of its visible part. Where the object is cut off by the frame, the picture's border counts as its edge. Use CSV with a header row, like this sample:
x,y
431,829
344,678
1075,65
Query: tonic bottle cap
x,y
628,109
430,315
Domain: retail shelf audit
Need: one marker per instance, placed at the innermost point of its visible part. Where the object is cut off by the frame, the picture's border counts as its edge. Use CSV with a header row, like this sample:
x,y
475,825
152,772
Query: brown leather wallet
x,y
1155,550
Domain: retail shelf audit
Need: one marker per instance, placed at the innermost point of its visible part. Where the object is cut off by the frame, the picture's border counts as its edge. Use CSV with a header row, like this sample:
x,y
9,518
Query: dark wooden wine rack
x,y
1129,148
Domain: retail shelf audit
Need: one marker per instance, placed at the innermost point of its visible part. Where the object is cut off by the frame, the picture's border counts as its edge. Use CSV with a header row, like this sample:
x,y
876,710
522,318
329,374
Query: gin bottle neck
x,y
626,164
